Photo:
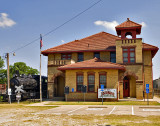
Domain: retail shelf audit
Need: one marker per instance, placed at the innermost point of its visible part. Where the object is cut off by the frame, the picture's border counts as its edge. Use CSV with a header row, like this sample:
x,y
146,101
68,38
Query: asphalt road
x,y
103,110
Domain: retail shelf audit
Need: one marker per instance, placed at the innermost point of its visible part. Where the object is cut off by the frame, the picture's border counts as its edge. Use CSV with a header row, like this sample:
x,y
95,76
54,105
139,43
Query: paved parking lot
x,y
103,110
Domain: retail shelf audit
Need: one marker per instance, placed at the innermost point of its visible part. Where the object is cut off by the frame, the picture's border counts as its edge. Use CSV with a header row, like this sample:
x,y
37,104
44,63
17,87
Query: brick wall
x,y
105,56
137,43
147,58
70,76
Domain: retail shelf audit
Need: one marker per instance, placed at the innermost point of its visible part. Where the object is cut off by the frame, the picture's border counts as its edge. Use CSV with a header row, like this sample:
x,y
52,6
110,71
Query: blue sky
x,y
22,21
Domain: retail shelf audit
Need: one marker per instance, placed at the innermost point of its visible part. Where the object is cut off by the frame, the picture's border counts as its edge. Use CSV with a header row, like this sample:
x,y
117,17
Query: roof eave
x,y
70,51
84,68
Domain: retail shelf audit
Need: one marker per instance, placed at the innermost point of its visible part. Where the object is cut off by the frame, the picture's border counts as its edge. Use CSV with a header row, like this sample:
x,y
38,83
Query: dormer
x,y
128,28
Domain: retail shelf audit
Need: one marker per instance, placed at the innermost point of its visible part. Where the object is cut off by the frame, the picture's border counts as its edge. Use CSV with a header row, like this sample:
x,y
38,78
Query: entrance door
x,y
59,86
126,91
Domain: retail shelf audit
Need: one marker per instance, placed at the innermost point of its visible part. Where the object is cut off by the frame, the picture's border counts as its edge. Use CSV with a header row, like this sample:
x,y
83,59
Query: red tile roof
x,y
153,49
98,42
128,23
92,64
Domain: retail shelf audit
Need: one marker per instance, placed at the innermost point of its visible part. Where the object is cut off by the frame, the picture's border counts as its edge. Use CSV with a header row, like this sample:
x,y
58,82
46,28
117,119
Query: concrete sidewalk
x,y
156,99
103,110
42,103
129,99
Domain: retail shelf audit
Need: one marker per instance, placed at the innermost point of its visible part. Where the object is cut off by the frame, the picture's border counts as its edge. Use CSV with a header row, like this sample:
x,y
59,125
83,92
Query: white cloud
x,y
143,24
113,24
62,41
108,25
5,21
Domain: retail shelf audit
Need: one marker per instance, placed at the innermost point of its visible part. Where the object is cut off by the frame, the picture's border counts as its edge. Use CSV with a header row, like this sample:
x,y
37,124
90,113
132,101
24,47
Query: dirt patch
x,y
22,115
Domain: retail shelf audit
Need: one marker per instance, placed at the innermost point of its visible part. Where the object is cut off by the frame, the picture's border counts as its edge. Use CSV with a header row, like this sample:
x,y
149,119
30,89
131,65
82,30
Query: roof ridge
x,y
99,33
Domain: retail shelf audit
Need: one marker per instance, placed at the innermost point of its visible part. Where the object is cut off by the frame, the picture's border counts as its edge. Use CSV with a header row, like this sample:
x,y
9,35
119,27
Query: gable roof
x,y
98,42
92,64
128,24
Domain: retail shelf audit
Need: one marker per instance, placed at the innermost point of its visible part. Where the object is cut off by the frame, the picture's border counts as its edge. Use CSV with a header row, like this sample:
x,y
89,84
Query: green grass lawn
x,y
105,103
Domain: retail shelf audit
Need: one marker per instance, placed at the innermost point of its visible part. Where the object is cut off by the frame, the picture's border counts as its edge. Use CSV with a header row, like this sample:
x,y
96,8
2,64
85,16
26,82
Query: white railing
x,y
60,62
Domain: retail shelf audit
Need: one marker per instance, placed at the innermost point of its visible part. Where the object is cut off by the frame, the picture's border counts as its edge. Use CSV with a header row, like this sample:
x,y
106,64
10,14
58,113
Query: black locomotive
x,y
31,86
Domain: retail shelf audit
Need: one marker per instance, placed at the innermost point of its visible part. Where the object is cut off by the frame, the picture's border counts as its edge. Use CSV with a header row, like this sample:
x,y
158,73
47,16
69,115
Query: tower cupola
x,y
128,28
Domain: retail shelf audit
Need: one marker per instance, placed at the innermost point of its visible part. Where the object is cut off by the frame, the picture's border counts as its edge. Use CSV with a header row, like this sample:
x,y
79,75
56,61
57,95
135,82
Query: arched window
x,y
128,35
102,79
91,81
79,78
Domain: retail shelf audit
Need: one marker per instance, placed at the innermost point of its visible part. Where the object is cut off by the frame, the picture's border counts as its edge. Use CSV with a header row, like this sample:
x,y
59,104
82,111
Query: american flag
x,y
41,43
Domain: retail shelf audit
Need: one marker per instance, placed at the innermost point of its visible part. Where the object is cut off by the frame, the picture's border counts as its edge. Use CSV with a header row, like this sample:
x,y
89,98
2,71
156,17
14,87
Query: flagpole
x,y
40,70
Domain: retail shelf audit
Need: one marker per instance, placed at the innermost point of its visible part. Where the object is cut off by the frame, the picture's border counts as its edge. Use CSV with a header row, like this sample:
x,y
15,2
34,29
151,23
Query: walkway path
x,y
44,103
103,110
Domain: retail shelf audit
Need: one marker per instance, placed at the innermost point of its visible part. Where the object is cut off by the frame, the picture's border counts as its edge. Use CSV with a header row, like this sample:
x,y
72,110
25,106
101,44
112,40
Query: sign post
x,y
66,91
18,91
147,91
9,95
102,89
18,97
84,90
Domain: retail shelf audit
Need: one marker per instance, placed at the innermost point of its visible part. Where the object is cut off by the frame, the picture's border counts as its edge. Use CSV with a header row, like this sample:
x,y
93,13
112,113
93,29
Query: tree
x,y
18,66
1,63
3,72
22,68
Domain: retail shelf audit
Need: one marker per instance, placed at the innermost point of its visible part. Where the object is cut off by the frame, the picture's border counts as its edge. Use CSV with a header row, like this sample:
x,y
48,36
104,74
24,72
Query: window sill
x,y
131,63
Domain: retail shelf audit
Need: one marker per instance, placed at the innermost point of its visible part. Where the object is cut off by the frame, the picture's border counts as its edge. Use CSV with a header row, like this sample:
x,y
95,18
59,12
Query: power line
x,y
58,26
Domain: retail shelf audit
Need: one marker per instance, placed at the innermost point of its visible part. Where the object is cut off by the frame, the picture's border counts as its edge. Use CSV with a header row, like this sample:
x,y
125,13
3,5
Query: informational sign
x,y
72,89
102,87
84,89
66,90
9,91
18,96
147,91
147,88
107,93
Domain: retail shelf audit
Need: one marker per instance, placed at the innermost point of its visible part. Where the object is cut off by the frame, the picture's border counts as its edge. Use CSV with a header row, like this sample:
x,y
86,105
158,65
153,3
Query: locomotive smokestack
x,y
17,72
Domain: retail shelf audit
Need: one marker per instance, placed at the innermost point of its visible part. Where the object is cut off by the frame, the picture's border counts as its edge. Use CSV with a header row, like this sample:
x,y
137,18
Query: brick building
x,y
117,62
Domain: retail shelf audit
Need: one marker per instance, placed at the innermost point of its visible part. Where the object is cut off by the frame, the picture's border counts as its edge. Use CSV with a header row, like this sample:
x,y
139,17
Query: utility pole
x,y
40,69
40,80
8,78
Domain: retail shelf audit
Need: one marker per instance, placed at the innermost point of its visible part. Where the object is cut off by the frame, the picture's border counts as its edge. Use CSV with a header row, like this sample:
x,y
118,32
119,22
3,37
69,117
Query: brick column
x,y
50,90
121,89
139,89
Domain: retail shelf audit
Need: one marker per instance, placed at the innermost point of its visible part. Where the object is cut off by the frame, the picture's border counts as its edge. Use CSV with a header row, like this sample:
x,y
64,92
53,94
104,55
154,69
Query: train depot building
x,y
119,63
